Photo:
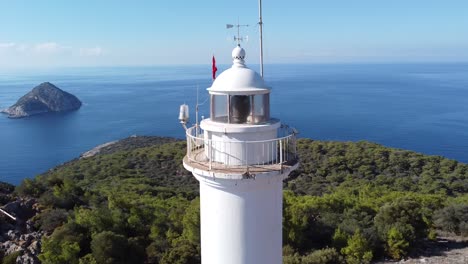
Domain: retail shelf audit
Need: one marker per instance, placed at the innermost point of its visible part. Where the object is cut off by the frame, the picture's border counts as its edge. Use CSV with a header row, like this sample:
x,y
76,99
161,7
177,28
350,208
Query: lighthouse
x,y
240,155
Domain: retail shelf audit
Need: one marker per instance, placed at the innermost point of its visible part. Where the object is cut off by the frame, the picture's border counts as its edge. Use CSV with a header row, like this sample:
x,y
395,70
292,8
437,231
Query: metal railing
x,y
231,154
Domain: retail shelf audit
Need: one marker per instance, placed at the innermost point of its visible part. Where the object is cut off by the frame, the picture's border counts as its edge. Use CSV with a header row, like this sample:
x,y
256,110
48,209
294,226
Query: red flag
x,y
214,68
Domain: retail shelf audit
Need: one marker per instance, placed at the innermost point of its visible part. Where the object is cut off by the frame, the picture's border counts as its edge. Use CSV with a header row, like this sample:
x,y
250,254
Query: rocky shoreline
x,y
19,238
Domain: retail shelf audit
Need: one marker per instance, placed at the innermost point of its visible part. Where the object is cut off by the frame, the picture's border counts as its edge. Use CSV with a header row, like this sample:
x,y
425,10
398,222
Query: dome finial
x,y
238,56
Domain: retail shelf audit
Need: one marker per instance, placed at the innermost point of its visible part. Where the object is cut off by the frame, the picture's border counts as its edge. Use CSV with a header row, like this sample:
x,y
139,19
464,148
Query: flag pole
x,y
260,23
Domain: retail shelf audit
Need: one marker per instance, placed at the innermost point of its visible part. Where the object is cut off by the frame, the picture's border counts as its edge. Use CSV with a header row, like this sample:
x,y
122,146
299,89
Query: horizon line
x,y
15,68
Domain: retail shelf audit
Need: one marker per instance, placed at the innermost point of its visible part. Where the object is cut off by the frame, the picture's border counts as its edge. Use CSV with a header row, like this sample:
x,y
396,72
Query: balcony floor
x,y
199,161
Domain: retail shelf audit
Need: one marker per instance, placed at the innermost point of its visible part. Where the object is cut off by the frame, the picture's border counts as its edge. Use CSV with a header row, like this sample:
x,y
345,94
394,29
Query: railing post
x,y
210,150
245,155
188,146
281,151
227,158
274,155
295,147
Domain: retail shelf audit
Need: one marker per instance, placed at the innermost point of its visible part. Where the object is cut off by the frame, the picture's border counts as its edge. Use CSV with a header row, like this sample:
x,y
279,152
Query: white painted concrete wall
x,y
241,221
230,148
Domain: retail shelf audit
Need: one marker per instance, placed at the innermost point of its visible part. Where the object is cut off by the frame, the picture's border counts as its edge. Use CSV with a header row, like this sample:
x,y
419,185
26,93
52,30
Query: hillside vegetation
x,y
348,202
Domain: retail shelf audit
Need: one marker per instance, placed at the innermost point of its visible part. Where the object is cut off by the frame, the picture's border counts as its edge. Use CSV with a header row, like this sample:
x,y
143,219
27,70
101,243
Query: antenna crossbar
x,y
237,38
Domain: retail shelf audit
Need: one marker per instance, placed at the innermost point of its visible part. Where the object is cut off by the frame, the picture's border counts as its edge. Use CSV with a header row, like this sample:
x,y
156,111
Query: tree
x,y
109,248
357,251
191,222
58,252
96,220
304,223
405,214
183,252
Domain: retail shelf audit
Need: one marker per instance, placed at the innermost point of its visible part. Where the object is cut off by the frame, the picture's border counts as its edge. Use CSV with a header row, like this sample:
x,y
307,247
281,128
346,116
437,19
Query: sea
x,y
419,107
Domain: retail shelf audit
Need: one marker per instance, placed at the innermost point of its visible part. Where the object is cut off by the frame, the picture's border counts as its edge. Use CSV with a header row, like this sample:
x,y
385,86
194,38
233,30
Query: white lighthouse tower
x,y
240,156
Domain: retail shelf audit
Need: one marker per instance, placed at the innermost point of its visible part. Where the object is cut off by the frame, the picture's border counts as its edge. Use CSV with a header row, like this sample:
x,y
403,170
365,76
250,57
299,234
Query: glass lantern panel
x,y
240,109
261,108
219,111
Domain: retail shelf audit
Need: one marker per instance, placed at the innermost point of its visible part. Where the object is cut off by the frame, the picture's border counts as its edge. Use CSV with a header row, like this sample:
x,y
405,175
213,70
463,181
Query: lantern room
x,y
239,95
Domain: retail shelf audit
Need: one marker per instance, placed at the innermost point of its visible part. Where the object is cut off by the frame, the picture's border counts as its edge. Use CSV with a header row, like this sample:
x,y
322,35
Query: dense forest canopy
x,y
347,202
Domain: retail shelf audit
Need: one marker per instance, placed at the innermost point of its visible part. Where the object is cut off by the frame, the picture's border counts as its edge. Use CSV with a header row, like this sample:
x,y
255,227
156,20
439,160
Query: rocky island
x,y
44,98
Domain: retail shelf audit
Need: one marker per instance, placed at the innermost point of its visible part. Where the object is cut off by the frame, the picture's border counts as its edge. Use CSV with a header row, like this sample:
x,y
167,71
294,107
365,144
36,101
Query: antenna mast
x,y
196,116
260,23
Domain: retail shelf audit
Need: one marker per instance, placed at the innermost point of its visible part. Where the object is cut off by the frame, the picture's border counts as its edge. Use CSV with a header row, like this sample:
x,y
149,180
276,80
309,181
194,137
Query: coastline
x,y
96,150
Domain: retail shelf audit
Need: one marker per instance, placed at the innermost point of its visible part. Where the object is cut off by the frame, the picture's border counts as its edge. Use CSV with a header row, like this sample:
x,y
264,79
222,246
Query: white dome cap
x,y
238,55
239,79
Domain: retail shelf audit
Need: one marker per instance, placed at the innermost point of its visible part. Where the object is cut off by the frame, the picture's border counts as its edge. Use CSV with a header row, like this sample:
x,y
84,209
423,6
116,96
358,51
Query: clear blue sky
x,y
95,33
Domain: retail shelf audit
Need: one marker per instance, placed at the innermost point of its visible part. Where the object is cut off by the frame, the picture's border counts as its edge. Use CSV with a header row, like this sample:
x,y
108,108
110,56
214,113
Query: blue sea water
x,y
420,107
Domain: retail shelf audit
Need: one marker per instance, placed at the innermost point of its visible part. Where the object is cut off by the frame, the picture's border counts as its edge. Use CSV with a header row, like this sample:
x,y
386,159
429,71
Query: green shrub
x,y
340,239
11,259
31,187
292,259
323,256
453,218
50,219
397,245
432,235
88,259
403,213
